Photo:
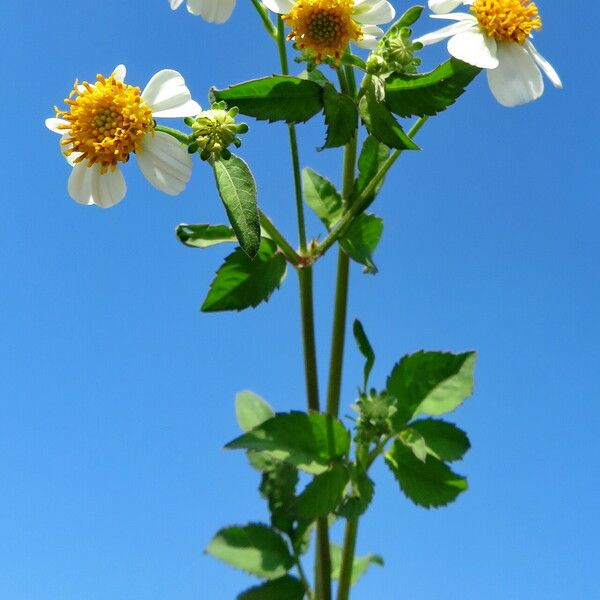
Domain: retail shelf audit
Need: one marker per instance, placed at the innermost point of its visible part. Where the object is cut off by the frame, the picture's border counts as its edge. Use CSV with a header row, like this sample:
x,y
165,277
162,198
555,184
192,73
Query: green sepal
x,y
255,548
275,98
323,494
429,93
381,123
428,483
430,383
283,588
361,240
359,566
410,17
204,235
341,118
237,189
242,282
310,441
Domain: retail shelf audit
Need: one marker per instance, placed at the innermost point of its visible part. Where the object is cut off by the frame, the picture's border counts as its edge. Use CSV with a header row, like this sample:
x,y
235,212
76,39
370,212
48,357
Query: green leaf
x,y
415,441
430,383
309,441
359,566
341,118
320,194
429,93
410,17
362,239
323,494
251,410
444,440
381,123
316,76
278,487
372,157
238,191
254,548
363,490
428,484
204,235
242,282
362,341
284,588
354,61
276,98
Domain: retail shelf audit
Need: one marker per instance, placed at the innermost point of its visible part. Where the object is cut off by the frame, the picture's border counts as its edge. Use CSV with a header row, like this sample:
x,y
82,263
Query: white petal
x,y
370,35
88,185
167,96
281,7
213,11
444,6
119,72
165,162
517,79
175,4
456,17
373,12
544,65
71,158
53,124
444,33
475,48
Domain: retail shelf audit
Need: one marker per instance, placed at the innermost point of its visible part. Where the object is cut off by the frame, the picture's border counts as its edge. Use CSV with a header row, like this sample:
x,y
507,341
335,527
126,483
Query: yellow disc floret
x,y
507,20
106,122
323,26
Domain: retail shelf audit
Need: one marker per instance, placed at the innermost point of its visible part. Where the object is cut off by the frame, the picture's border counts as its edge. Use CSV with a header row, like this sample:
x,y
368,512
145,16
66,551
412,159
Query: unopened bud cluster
x,y
214,130
395,54
375,411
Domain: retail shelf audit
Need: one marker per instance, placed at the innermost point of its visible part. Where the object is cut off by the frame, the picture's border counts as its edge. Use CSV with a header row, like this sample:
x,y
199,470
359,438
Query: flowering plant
x,y
398,421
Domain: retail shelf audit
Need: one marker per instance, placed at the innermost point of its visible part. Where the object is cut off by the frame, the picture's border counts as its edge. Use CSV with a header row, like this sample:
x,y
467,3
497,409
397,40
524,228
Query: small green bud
x,y
215,129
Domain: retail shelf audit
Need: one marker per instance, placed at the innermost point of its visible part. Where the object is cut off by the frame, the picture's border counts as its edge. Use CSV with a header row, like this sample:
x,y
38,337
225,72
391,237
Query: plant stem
x,y
279,239
302,575
305,278
264,17
347,565
364,199
178,135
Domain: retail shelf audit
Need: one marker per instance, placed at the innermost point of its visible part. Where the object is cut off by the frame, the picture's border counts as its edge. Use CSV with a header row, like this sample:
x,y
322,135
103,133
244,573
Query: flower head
x,y
213,11
326,27
105,122
496,35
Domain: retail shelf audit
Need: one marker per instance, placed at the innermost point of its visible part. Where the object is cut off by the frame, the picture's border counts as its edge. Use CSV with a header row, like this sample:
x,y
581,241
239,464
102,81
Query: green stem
x,y
278,238
178,135
363,201
264,17
302,575
305,279
345,581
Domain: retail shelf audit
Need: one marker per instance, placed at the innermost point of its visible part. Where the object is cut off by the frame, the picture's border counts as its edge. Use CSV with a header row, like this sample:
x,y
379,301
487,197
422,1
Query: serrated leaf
x,y
362,341
242,282
276,98
429,93
363,490
372,157
320,194
430,383
204,235
341,117
381,123
254,548
428,484
284,588
278,487
238,192
443,440
323,494
415,441
362,239
359,566
251,410
410,17
309,441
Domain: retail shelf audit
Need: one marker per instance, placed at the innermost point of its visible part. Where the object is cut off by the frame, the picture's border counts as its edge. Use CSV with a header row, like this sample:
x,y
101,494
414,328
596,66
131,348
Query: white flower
x,y
213,11
107,121
496,35
327,26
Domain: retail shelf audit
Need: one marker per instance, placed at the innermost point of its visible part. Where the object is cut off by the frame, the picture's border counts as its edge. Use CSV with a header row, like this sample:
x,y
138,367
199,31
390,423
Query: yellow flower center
x,y
106,121
323,26
507,20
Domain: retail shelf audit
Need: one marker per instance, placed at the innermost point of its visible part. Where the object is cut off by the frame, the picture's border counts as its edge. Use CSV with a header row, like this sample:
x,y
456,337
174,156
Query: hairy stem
x,y
347,565
264,17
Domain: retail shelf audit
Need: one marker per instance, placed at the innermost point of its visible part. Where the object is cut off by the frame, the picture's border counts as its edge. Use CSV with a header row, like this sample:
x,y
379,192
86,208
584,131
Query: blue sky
x,y
116,394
